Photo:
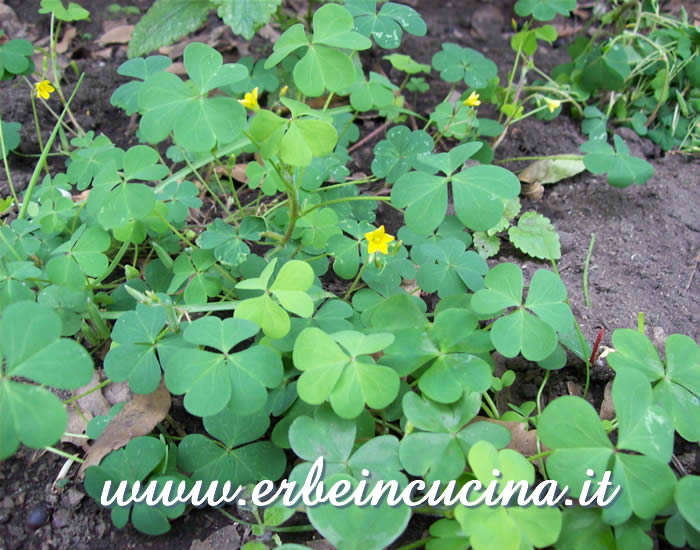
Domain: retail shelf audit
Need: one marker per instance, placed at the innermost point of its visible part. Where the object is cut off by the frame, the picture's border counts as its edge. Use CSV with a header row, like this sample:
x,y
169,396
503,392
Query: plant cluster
x,y
367,377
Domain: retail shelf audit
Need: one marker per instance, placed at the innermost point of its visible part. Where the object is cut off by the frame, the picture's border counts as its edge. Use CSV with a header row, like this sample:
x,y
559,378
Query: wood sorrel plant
x,y
365,377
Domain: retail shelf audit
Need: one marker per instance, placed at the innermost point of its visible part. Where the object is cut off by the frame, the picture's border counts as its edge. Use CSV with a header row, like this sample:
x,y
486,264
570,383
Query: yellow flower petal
x,y
472,100
378,241
552,104
44,89
250,100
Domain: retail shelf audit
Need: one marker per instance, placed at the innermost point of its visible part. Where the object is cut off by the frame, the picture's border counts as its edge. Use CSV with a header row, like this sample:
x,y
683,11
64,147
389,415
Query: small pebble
x,y
38,515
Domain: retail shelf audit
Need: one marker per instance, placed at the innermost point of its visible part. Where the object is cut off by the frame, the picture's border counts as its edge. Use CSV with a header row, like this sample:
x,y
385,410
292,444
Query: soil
x,y
646,253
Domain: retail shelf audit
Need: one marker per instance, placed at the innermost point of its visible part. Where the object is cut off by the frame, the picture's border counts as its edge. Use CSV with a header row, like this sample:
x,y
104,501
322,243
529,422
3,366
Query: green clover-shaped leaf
x,y
457,63
511,527
439,449
324,65
339,368
544,10
197,121
676,382
399,152
622,168
239,459
31,348
293,280
133,352
447,268
127,95
134,463
520,331
211,379
572,428
386,26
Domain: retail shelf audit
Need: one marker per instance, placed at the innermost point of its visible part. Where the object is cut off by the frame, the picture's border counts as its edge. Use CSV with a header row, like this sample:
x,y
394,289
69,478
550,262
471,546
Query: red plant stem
x,y
368,137
595,346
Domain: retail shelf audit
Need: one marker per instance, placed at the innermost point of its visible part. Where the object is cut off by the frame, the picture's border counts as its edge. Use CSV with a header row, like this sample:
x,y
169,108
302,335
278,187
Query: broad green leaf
x,y
676,383
241,460
133,352
535,236
127,95
210,380
571,427
399,152
165,22
246,17
198,121
513,527
74,11
622,168
544,10
32,347
448,269
354,528
526,40
16,58
457,63
480,193
134,463
10,134
406,64
438,452
330,373
31,415
386,26
686,495
643,427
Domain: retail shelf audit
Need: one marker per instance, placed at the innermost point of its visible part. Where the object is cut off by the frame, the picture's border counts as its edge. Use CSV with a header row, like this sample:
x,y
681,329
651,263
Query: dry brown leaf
x,y
522,440
238,172
177,68
533,191
91,405
607,409
574,389
138,417
68,36
117,35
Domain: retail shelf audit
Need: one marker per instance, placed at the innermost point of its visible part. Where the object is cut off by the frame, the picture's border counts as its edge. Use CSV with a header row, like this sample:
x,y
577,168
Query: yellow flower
x,y
552,104
472,100
284,90
378,240
44,89
251,100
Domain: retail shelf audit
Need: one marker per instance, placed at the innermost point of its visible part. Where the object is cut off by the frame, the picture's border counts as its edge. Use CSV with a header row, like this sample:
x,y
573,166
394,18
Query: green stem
x,y
203,182
7,167
357,278
38,129
44,153
492,405
64,454
345,199
292,529
548,157
416,544
113,265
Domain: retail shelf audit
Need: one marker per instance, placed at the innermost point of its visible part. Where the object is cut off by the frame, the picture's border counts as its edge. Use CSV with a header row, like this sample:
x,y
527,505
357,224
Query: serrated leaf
x,y
535,236
247,16
165,22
